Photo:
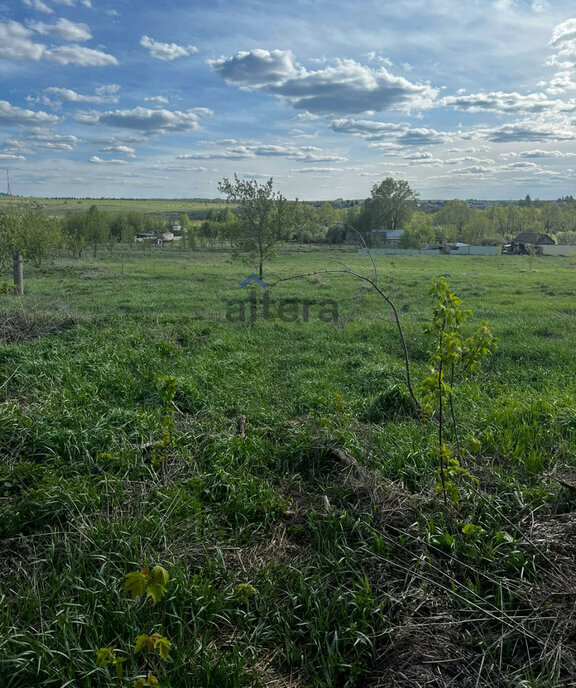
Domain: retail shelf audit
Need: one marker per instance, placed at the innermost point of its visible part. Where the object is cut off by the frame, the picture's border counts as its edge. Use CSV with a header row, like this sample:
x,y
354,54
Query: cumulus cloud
x,y
234,150
421,137
73,3
63,29
160,100
537,153
418,156
146,120
315,170
500,101
400,134
522,166
55,96
256,68
346,87
564,38
16,44
79,56
40,139
10,115
98,161
367,129
118,148
166,51
38,5
527,131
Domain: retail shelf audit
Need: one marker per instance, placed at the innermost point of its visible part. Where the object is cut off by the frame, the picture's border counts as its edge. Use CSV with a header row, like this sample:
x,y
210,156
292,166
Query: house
x,y
526,241
387,238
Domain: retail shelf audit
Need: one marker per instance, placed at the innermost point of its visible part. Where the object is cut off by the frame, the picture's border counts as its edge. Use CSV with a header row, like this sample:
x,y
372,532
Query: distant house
x,y
530,240
387,238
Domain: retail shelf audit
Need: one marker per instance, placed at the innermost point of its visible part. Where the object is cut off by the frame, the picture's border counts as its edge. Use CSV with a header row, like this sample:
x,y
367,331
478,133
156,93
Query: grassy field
x,y
289,489
166,207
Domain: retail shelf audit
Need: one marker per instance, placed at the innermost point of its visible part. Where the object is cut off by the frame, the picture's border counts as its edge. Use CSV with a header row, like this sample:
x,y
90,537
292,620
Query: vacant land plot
x,y
159,206
277,470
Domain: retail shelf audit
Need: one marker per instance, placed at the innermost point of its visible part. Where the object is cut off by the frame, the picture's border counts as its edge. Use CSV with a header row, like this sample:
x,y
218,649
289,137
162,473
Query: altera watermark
x,y
286,310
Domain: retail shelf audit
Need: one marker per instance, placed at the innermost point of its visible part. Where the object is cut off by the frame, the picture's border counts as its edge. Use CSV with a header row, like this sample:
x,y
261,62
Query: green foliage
x,y
106,657
26,228
264,218
452,353
151,583
390,205
340,555
151,643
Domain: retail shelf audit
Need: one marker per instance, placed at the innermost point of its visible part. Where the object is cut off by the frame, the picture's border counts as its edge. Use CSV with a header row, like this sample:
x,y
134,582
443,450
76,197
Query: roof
x,y
533,238
389,233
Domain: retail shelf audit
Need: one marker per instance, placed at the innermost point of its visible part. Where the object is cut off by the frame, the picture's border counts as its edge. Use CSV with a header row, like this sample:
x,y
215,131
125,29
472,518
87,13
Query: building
x,y
387,238
526,241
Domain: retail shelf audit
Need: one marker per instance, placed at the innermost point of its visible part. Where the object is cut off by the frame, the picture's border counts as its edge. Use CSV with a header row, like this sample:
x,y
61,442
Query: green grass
x,y
362,576
158,206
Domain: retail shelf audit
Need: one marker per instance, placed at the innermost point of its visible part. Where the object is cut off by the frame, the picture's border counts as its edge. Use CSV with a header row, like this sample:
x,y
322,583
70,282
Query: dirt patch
x,y
22,327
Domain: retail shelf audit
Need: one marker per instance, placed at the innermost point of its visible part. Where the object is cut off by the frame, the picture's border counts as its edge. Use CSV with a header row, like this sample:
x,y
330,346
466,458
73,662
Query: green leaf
x,y
472,529
137,582
105,655
163,646
141,643
159,575
156,591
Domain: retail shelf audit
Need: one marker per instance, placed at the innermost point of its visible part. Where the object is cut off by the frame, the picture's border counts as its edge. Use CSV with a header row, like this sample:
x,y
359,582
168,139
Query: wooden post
x,y
18,273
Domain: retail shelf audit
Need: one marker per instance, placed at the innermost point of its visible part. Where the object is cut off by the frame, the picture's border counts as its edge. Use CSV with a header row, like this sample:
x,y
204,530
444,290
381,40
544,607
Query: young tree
x,y
96,227
263,220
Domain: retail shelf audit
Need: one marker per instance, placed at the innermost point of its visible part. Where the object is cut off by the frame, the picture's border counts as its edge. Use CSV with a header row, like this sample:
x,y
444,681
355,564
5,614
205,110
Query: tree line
x,y
259,218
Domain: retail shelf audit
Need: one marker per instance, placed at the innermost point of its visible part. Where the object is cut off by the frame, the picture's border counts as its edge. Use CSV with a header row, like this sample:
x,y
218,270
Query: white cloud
x,y
39,5
80,56
104,94
527,131
235,150
73,3
500,101
368,129
63,29
564,38
40,139
166,51
345,87
146,120
16,44
118,148
98,161
401,134
157,99
10,115
315,170
418,156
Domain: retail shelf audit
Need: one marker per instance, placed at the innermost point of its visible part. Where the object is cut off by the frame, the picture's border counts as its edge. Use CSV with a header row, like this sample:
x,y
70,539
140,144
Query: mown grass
x,y
363,578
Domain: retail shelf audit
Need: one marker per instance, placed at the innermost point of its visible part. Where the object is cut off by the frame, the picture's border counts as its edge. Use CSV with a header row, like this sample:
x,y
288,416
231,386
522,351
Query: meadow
x,y
58,207
279,473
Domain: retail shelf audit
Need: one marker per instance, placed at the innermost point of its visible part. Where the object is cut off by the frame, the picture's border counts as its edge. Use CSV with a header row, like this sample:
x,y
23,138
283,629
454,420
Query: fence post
x,y
18,273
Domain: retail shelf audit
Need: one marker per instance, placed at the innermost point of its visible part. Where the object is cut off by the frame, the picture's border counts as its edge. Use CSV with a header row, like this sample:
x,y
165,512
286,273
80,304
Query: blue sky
x,y
473,99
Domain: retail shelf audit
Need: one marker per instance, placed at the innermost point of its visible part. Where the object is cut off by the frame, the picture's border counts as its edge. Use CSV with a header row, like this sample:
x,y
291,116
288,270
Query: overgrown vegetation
x,y
279,474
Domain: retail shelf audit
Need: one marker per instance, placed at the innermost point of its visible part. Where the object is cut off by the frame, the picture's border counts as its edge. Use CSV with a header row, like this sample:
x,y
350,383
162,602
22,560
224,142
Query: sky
x,y
126,99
